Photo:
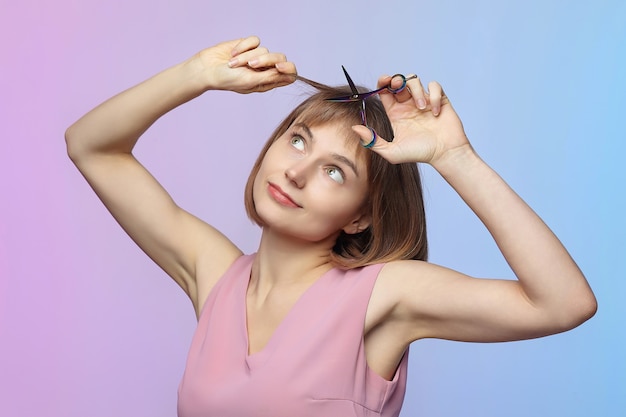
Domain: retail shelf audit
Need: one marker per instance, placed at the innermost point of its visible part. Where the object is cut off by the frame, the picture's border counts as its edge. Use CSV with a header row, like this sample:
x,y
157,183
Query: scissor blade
x,y
350,82
345,99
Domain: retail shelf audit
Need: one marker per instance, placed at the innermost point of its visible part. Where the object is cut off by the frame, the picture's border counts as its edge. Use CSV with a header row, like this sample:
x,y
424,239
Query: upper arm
x,y
176,240
430,301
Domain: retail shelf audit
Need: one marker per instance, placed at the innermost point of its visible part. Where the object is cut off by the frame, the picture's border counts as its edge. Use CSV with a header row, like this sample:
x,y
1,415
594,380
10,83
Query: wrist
x,y
194,74
457,160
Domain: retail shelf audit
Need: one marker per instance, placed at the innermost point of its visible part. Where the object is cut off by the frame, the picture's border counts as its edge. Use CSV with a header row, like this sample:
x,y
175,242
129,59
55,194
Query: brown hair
x,y
395,201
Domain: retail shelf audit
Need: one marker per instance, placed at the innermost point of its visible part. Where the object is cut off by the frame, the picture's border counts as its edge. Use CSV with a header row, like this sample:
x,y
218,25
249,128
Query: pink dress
x,y
313,366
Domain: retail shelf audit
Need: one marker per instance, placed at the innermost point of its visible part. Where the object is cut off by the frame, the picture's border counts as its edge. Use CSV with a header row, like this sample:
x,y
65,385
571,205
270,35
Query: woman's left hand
x,y
425,125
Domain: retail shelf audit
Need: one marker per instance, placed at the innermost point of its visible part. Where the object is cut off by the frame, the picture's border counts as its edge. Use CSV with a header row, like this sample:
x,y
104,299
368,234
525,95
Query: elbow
x,y
579,309
585,304
76,146
71,143
589,308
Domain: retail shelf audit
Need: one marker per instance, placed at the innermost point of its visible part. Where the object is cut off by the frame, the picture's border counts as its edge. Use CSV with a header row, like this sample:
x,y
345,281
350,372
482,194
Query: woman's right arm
x,y
100,144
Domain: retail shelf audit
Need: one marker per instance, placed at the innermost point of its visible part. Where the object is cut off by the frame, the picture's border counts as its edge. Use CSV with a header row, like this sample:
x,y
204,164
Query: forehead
x,y
335,132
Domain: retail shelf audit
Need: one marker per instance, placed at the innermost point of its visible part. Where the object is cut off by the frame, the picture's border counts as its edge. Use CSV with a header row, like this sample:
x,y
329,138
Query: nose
x,y
297,173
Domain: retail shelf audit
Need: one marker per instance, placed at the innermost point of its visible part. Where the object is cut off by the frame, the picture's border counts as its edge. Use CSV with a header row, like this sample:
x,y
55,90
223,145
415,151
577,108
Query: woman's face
x,y
312,183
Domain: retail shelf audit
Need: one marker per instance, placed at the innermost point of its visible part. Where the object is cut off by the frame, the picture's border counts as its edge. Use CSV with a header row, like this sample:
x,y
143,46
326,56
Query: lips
x,y
281,197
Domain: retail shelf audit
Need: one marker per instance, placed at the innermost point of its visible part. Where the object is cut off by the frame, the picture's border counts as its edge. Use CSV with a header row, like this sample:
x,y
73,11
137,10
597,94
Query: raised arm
x,y
193,253
551,294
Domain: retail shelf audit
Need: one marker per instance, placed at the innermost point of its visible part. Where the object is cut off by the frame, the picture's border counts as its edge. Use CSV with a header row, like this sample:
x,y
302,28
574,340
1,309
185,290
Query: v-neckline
x,y
254,358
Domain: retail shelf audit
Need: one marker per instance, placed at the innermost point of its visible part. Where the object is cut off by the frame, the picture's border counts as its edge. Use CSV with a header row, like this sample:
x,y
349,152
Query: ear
x,y
358,225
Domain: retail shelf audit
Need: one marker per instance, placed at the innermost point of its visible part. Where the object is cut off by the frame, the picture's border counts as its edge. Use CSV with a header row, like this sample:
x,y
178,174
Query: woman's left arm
x,y
551,294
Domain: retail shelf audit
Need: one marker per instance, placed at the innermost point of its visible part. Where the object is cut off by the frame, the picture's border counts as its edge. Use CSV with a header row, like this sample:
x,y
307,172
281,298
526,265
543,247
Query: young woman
x,y
319,320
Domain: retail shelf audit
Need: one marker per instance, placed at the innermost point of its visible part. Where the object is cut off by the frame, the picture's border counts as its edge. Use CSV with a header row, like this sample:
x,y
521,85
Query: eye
x,y
297,142
335,174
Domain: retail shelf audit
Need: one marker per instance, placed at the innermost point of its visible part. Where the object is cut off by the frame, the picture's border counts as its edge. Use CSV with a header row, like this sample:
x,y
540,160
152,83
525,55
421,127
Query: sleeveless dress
x,y
314,364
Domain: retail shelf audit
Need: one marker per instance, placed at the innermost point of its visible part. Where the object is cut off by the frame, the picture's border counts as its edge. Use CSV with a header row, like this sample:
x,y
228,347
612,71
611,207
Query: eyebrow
x,y
335,156
346,161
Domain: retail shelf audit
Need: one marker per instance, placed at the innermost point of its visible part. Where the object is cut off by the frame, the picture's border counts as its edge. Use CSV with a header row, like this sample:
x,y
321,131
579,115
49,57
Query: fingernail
x,y
233,62
421,103
253,62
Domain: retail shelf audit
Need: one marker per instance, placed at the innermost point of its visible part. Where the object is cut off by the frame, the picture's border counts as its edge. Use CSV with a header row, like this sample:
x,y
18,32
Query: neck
x,y
283,260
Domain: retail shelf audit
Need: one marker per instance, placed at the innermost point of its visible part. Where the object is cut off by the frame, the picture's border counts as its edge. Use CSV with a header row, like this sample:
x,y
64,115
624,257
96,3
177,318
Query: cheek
x,y
271,161
342,209
258,185
266,163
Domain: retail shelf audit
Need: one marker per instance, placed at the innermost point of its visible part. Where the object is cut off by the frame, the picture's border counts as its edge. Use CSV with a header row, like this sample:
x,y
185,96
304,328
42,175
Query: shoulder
x,y
401,284
396,277
408,276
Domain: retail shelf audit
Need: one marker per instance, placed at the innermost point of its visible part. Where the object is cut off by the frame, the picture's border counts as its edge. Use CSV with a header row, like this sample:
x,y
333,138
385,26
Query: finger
x,y
266,60
245,44
287,68
367,136
278,79
400,89
273,77
387,97
383,81
436,97
246,57
416,89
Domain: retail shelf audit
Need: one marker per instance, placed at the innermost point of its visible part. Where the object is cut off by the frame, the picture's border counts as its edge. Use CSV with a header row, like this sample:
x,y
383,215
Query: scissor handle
x,y
404,80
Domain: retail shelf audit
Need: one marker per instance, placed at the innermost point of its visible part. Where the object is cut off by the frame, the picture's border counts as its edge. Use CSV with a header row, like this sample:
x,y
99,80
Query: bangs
x,y
318,111
322,113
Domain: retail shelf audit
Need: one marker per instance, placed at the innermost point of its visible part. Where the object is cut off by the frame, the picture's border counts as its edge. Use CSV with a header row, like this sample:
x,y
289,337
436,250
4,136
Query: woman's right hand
x,y
243,66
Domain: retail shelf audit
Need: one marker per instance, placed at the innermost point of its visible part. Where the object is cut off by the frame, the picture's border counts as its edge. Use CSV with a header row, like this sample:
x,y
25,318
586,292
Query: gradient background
x,y
90,327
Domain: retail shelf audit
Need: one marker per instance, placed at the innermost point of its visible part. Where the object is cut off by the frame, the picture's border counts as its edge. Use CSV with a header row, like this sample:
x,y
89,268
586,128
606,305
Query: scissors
x,y
356,96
